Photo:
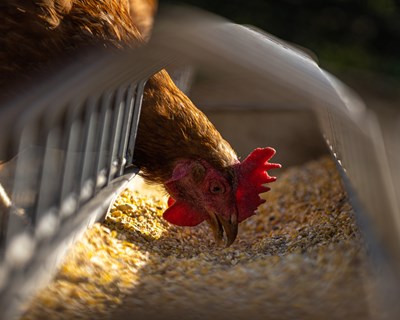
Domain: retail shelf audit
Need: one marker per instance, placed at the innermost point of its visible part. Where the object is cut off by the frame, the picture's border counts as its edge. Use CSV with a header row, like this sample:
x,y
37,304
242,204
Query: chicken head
x,y
200,192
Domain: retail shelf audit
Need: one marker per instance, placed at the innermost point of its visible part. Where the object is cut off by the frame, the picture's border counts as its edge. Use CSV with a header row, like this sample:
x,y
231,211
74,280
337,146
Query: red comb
x,y
252,175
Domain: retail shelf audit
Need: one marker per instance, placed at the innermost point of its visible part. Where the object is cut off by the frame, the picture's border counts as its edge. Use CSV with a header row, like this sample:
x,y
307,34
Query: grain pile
x,y
301,257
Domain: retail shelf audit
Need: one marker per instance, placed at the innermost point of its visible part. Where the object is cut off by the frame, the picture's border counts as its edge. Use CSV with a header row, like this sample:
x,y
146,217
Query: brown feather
x,y
171,128
37,33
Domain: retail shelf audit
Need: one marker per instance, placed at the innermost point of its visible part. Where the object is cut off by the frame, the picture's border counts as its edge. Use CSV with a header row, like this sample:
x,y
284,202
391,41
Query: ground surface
x,y
300,257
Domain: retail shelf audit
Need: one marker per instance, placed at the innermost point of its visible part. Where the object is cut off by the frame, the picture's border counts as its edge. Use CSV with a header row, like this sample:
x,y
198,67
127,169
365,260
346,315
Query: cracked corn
x,y
300,257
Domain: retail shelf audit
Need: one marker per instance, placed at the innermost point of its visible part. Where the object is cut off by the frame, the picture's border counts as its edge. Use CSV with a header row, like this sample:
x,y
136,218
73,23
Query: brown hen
x,y
176,146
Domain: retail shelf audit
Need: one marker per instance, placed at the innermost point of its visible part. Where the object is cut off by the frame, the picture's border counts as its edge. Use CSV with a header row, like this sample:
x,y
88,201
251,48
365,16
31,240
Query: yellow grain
x,y
300,257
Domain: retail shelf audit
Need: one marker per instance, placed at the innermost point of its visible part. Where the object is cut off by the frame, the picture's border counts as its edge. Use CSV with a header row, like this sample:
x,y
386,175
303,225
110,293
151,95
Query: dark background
x,y
357,40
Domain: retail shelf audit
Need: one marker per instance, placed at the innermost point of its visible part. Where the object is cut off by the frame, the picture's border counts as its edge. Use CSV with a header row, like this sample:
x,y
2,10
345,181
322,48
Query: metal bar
x,y
126,127
87,176
118,112
69,191
105,123
135,122
51,179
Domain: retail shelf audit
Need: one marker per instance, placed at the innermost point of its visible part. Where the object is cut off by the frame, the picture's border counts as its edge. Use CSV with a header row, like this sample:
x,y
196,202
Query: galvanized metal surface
x,y
69,148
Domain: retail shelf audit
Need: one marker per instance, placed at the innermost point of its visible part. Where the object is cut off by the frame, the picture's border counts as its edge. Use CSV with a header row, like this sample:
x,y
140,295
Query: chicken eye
x,y
217,188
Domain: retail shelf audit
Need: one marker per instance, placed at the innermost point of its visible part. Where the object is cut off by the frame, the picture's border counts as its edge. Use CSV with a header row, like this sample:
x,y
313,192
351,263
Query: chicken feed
x,y
300,257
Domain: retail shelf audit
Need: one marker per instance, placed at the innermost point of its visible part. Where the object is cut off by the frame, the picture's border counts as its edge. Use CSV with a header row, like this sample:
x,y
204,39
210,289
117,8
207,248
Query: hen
x,y
176,145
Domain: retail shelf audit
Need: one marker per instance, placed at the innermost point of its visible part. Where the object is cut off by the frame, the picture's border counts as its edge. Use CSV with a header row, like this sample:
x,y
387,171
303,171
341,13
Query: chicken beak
x,y
220,224
231,228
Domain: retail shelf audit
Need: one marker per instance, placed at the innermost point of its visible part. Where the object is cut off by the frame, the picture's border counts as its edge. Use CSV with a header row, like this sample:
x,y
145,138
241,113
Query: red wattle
x,y
171,201
183,214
